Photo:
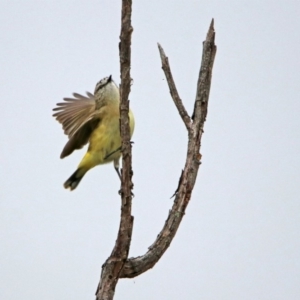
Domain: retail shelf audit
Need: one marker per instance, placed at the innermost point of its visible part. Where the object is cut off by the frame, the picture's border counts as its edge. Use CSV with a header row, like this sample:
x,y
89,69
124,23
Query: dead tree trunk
x,y
118,265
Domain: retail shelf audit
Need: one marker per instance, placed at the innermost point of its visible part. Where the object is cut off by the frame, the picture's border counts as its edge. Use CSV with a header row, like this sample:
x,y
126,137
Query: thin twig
x,y
136,266
173,90
114,264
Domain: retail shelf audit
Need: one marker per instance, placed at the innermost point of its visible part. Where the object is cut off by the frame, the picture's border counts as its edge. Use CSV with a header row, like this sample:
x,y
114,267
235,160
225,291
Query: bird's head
x,y
106,87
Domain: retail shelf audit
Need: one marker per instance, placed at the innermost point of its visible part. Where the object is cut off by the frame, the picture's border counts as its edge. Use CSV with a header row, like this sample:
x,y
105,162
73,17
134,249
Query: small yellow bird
x,y
94,119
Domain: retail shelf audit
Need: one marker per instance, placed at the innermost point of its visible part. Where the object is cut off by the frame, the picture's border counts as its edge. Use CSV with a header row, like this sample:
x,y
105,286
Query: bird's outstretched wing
x,y
78,118
75,112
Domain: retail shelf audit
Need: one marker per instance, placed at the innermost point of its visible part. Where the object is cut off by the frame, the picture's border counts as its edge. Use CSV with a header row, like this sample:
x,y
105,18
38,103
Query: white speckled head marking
x,y
103,82
106,91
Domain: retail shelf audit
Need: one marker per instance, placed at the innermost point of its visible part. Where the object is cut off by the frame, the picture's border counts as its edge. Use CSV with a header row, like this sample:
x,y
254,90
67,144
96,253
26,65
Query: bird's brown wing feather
x,y
75,112
80,138
78,118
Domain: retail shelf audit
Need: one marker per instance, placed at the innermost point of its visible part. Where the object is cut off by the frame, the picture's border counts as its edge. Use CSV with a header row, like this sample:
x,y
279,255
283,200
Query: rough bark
x,y
118,265
114,264
138,265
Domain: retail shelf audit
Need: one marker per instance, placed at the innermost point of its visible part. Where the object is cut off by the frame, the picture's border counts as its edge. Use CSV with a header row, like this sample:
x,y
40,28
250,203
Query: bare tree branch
x,y
114,264
135,266
173,91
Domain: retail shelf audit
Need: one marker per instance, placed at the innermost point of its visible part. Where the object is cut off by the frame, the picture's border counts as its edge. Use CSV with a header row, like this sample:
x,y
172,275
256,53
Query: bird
x,y
93,119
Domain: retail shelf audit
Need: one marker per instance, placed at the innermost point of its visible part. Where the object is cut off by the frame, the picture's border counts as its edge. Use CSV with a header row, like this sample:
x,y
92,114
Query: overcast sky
x,y
240,237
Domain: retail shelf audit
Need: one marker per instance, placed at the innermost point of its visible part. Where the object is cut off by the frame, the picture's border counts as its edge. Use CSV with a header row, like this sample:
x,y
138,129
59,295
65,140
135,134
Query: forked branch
x,y
138,265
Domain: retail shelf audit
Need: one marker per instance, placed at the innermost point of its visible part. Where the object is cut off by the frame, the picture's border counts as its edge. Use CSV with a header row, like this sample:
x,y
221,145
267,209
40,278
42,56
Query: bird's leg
x,y
111,153
118,172
117,166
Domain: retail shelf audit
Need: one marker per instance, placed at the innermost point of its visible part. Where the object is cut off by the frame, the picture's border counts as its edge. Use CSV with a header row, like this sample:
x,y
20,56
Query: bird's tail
x,y
74,179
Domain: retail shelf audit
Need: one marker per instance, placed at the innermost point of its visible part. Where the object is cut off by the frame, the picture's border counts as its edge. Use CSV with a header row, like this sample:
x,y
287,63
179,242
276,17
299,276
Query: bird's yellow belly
x,y
105,141
104,144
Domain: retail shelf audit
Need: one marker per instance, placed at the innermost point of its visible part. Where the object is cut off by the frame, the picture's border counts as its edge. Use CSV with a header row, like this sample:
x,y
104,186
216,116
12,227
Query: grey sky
x,y
240,238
